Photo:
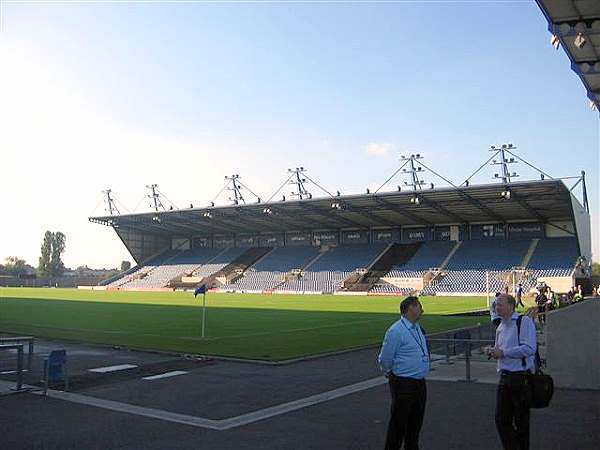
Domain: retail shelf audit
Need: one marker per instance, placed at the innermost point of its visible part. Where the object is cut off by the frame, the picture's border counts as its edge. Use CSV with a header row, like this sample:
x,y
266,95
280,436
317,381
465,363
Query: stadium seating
x,y
430,254
270,271
328,272
171,264
552,258
324,270
466,270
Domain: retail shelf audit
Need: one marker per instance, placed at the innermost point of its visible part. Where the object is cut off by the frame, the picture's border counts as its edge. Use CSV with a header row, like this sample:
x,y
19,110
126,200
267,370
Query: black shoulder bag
x,y
542,385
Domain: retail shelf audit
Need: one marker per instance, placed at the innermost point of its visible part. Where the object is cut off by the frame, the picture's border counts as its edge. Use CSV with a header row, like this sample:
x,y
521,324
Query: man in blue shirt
x,y
404,358
515,352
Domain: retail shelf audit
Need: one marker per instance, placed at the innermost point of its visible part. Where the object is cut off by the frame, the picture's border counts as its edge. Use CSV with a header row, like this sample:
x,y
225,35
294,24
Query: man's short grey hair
x,y
407,303
509,299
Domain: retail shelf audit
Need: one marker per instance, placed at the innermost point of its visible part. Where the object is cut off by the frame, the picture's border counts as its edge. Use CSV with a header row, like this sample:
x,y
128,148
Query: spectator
x,y
578,294
551,302
515,354
404,358
520,295
571,294
540,301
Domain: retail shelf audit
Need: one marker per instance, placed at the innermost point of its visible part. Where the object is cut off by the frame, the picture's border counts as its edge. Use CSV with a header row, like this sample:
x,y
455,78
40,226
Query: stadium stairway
x,y
530,252
177,282
394,255
234,270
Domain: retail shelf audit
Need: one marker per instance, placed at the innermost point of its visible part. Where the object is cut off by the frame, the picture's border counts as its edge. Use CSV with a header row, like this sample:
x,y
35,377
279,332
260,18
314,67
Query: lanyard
x,y
418,341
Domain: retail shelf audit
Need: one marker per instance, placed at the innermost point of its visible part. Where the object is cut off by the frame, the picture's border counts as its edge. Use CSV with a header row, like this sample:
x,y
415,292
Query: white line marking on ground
x,y
165,375
112,368
291,330
222,424
8,372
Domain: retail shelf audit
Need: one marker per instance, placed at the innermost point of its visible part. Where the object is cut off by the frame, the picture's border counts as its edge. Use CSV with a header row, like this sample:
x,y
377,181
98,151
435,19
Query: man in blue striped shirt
x,y
515,352
404,358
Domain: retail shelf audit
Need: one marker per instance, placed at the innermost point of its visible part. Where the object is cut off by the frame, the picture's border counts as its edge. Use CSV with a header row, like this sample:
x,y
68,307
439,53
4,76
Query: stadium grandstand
x,y
451,240
575,26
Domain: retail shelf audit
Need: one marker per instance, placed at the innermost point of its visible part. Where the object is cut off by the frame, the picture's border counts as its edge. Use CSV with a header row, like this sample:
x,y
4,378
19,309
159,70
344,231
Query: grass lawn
x,y
265,327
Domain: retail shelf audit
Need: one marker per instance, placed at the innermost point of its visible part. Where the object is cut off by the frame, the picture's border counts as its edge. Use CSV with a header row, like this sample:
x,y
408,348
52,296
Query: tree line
x,y
50,264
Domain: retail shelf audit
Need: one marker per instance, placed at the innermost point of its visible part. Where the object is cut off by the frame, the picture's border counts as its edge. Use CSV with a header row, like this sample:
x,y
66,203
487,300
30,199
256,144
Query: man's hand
x,y
496,353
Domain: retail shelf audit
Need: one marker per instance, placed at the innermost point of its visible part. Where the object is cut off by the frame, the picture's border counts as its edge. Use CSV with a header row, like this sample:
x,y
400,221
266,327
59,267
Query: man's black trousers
x,y
408,408
512,411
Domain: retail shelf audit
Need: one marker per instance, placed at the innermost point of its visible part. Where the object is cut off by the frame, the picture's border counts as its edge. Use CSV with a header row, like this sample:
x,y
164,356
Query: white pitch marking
x,y
112,368
222,424
165,375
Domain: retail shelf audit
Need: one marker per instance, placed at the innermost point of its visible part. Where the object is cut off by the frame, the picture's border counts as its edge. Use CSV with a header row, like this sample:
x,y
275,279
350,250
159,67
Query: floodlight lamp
x,y
495,175
493,147
503,145
419,169
510,146
580,40
267,211
418,155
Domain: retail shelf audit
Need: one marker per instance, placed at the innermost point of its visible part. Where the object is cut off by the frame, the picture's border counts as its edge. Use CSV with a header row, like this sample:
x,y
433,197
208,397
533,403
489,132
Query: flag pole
x,y
203,312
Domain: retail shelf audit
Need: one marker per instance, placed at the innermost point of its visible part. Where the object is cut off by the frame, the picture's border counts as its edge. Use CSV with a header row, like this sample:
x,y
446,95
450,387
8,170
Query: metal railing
x,y
19,349
468,345
29,340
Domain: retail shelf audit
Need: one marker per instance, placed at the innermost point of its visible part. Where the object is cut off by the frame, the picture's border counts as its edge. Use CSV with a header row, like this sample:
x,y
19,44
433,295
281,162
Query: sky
x,y
97,95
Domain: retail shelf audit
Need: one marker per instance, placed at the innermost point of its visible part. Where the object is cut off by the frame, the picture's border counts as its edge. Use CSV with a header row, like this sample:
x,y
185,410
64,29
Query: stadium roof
x,y
541,200
576,24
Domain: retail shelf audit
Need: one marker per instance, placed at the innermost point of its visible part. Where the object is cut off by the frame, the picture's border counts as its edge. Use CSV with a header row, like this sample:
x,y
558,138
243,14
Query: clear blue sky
x,y
122,95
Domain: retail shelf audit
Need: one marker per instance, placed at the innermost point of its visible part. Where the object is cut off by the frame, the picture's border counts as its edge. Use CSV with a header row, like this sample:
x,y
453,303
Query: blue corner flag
x,y
200,290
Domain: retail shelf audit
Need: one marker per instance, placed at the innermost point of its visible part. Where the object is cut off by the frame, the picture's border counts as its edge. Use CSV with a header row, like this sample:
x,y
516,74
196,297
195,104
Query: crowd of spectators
x,y
547,300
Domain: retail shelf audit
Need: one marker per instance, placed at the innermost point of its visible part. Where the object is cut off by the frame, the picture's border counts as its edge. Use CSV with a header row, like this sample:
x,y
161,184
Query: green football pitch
x,y
267,327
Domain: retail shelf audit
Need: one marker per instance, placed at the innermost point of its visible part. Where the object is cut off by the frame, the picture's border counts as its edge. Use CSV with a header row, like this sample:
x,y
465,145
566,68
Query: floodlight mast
x,y
415,182
110,203
297,179
235,186
504,162
155,196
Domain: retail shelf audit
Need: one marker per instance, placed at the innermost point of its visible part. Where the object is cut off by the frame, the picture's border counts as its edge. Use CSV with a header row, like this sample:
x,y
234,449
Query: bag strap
x,y
538,359
519,320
